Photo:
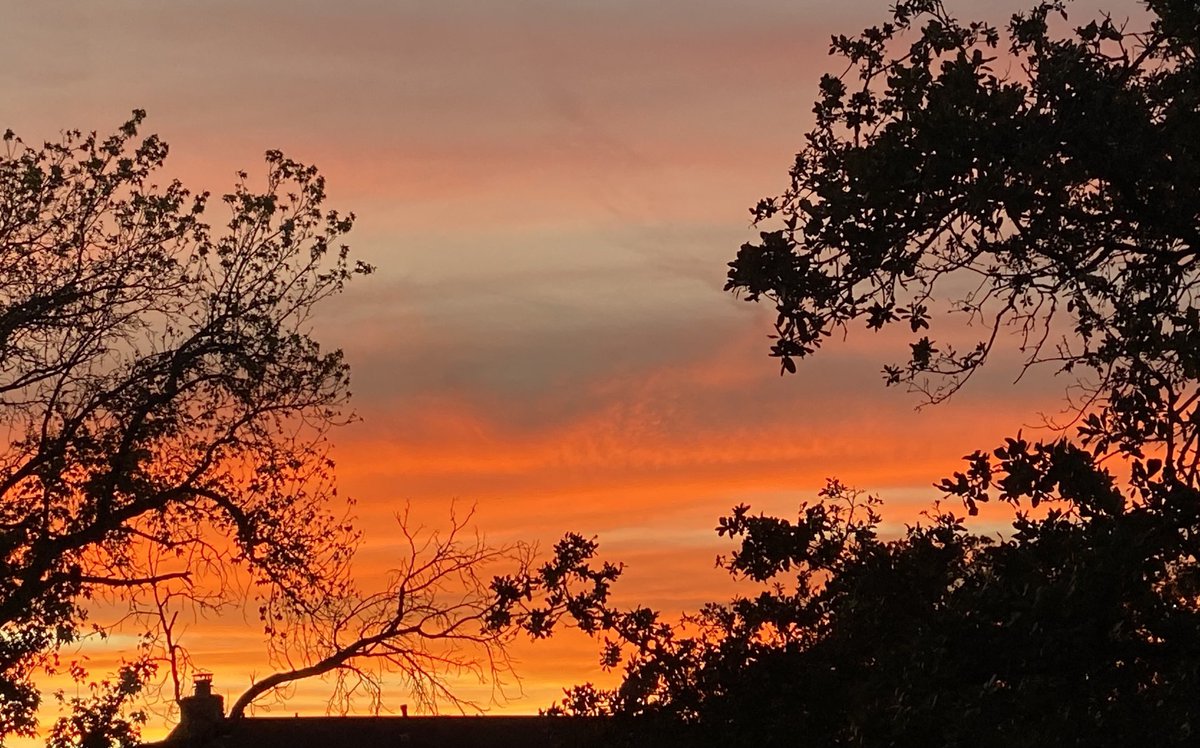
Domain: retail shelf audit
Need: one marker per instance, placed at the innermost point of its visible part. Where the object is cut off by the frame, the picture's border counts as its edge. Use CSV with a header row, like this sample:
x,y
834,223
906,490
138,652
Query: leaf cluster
x,y
1030,185
1028,181
1075,629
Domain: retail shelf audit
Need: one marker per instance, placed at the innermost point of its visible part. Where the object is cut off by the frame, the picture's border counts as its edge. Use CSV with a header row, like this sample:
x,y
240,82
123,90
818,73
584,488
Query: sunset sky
x,y
551,192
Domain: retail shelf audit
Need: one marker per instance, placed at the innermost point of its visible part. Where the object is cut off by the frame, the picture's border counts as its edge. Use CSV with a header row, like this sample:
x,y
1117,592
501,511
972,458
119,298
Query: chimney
x,y
201,713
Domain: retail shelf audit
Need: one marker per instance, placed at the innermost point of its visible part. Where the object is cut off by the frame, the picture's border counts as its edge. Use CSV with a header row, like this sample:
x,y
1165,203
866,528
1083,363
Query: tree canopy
x,y
1036,181
1070,631
159,386
1020,182
166,409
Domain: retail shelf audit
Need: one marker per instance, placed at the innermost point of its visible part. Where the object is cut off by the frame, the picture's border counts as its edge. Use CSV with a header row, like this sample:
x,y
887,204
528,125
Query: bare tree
x,y
429,623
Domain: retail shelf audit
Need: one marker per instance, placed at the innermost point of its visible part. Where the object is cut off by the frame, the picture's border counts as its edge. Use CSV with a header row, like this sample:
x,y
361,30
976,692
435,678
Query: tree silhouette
x,y
1070,631
1057,202
439,616
166,409
1045,189
158,387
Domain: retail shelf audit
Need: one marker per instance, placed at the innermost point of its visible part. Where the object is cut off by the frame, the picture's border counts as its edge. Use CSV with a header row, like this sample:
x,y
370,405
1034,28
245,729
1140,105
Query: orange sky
x,y
551,191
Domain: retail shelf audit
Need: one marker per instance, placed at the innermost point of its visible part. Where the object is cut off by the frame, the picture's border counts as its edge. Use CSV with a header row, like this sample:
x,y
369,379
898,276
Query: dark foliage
x,y
1071,631
163,404
1041,182
1048,188
165,409
104,719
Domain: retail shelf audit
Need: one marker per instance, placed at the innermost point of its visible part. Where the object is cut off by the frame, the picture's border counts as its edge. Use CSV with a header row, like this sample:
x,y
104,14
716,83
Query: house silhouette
x,y
203,724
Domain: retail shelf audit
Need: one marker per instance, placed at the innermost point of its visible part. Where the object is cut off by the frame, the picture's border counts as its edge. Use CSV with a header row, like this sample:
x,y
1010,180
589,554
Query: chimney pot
x,y
202,713
202,684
